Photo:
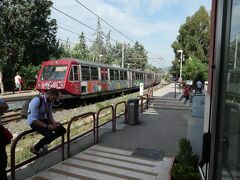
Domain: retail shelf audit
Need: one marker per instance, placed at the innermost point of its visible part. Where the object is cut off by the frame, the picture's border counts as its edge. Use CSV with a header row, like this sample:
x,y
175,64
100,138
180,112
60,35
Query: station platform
x,y
106,163
159,130
25,94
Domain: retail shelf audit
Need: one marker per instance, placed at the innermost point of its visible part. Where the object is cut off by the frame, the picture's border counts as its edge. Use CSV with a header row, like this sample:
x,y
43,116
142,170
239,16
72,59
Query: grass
x,y
78,127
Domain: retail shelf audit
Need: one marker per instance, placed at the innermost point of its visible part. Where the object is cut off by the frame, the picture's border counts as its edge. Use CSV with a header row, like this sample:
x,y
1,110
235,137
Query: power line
x,y
112,26
81,23
74,19
105,21
74,32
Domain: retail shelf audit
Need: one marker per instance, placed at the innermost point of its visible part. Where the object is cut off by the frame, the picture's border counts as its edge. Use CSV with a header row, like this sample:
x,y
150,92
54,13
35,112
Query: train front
x,y
53,74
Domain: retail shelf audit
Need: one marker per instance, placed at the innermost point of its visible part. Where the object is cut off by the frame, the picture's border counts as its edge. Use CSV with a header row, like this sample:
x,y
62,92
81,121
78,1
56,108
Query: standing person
x,y
3,154
199,86
40,119
18,81
1,83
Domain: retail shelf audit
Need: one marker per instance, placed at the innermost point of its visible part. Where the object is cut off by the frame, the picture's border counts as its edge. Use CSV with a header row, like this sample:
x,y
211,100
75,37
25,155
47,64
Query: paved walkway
x,y
158,130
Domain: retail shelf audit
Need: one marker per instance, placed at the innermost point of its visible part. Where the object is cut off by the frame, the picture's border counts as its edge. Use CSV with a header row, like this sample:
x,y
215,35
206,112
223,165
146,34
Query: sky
x,y
153,23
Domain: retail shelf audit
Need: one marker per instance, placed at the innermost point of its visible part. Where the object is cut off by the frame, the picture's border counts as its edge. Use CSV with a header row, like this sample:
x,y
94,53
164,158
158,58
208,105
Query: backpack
x,y
24,111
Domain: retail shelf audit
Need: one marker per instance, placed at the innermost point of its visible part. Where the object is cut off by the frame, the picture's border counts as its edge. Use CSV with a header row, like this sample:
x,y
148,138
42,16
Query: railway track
x,y
15,116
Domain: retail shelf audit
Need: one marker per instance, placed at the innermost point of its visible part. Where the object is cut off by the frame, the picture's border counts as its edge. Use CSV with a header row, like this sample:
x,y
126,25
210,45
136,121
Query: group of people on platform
x,y
40,119
188,91
17,81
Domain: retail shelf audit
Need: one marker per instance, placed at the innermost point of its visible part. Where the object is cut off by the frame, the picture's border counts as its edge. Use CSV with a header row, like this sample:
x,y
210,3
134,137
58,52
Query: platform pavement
x,y
158,129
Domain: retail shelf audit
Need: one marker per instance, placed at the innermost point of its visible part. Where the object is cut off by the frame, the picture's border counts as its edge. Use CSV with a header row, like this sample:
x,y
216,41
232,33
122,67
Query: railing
x,y
75,118
142,98
13,148
201,173
95,130
124,113
113,119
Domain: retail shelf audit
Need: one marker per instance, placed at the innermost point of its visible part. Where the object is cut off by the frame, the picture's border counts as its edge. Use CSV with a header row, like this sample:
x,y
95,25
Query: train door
x,y
73,83
104,78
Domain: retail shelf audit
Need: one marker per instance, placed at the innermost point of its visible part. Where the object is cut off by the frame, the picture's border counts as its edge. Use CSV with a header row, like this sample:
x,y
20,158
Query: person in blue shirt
x,y
40,119
3,154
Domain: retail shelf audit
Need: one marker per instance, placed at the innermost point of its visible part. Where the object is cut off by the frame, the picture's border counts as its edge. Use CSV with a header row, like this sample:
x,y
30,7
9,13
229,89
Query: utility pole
x,y
123,54
181,60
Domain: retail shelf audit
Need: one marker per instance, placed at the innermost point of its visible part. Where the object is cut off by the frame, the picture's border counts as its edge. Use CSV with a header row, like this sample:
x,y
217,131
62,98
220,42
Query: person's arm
x,y
50,116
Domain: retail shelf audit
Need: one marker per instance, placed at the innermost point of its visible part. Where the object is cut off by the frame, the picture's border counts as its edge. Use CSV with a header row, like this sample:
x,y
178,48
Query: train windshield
x,y
54,72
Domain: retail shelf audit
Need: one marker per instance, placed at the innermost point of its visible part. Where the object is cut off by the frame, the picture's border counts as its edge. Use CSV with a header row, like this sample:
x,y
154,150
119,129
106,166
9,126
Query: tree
x,y
98,45
138,57
195,70
193,38
80,50
27,34
108,47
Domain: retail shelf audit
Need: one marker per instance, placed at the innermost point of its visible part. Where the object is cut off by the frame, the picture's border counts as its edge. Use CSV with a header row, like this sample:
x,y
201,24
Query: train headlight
x,y
61,84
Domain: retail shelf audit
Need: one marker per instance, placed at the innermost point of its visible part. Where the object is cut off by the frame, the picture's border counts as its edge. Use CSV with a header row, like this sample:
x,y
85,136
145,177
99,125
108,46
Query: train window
x,y
111,74
141,76
73,76
116,75
121,75
85,73
133,76
94,73
125,75
137,76
54,72
106,74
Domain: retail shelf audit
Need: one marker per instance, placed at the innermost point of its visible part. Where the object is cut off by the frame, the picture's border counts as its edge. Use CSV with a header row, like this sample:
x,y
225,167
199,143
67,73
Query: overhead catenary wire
x,y
74,33
114,27
84,24
105,21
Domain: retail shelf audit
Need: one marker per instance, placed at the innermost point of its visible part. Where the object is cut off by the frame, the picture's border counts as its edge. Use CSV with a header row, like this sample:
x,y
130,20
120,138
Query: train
x,y
83,79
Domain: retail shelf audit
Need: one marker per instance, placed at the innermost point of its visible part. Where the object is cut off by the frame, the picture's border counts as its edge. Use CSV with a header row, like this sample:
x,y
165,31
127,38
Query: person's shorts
x,y
18,85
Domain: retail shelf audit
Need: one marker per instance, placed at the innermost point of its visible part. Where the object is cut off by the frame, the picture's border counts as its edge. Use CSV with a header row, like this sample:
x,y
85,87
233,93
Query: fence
x,y
95,130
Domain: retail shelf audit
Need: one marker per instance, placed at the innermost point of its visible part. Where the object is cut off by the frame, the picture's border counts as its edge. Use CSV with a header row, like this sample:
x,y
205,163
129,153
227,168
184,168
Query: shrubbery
x,y
185,166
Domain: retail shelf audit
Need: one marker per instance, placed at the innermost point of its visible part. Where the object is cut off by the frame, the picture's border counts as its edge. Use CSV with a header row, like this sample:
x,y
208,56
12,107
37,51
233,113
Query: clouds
x,y
154,23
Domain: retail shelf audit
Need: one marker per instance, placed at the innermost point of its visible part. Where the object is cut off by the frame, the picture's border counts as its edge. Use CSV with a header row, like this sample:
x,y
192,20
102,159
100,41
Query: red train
x,y
88,79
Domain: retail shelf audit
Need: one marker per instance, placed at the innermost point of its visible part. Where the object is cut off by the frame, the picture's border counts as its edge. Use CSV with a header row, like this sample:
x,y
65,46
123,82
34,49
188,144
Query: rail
x,y
142,98
201,173
75,118
113,119
124,113
13,148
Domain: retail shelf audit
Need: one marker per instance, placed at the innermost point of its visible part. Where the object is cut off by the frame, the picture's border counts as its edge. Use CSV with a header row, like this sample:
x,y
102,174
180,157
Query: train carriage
x,y
87,79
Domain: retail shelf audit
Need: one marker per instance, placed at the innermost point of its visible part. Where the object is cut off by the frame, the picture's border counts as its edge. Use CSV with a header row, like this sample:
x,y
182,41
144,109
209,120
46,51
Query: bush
x,y
28,74
185,167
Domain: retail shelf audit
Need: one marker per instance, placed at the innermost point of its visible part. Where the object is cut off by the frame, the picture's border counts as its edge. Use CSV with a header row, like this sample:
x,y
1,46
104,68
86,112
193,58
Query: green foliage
x,y
185,168
97,47
138,57
27,34
184,172
28,74
194,69
193,39
80,50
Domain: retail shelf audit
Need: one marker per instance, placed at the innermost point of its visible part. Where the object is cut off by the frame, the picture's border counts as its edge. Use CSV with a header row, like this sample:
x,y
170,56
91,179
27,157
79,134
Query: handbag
x,y
5,135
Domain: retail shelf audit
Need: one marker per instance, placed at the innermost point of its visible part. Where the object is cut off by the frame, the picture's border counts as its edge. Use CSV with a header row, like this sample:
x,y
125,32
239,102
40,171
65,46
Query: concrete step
x,y
160,101
170,106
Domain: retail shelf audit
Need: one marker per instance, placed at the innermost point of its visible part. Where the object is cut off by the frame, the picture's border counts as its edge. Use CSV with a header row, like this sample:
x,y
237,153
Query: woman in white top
x,y
18,81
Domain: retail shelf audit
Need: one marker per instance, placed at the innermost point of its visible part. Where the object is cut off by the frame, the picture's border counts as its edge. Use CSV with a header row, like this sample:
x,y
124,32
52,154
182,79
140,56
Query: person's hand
x,y
55,124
